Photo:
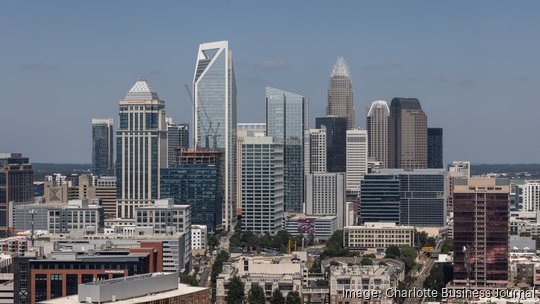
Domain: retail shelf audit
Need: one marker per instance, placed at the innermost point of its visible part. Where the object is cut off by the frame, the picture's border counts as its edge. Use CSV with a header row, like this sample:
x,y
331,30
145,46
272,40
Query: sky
x,y
474,65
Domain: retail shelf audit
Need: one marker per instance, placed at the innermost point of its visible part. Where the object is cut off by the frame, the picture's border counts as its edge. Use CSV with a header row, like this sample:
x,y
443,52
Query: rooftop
x,y
141,90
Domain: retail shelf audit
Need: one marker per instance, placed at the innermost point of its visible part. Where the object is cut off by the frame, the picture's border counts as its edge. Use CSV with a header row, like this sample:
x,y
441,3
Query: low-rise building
x,y
83,215
318,227
165,217
198,239
377,235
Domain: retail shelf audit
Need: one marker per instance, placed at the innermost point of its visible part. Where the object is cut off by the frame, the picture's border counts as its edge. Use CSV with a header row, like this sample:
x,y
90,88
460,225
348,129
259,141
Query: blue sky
x,y
474,65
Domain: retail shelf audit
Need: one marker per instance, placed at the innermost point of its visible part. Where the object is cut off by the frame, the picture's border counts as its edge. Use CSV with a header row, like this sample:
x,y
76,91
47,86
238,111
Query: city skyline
x,y
453,66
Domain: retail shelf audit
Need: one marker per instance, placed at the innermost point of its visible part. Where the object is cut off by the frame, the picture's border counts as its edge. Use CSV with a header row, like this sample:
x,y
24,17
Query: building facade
x,y
325,195
315,151
377,122
380,198
356,158
377,235
177,138
77,215
102,147
164,217
340,93
141,141
336,141
435,148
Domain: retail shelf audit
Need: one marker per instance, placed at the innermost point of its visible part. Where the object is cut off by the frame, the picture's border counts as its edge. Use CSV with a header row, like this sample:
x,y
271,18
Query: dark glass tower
x,y
336,142
379,198
102,147
435,148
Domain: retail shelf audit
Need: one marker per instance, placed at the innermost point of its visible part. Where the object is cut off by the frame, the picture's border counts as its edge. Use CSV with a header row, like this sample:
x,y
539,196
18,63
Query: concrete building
x,y
141,147
262,185
377,120
407,134
325,195
435,148
356,158
481,231
315,227
177,138
336,141
315,151
77,215
340,94
102,147
199,239
164,217
105,190
22,218
529,196
377,235
256,127
458,169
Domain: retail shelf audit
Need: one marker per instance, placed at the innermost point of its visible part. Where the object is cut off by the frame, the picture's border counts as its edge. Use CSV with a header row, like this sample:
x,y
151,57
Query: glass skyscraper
x,y
435,148
177,137
286,120
214,89
379,198
102,147
336,142
340,94
141,147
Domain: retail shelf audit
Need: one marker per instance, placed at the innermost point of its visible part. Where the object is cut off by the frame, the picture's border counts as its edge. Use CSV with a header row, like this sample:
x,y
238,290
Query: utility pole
x,y
32,213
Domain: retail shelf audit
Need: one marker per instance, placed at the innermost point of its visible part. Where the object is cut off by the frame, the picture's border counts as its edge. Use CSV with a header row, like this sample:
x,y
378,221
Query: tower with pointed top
x,y
377,120
214,115
141,147
340,94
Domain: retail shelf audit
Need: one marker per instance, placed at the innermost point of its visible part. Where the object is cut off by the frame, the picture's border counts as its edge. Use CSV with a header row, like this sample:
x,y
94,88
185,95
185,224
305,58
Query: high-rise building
x,y
336,141
340,94
407,135
141,141
315,151
356,158
325,195
256,127
377,121
481,232
16,185
286,120
380,198
102,147
458,169
435,148
214,89
529,196
177,138
262,185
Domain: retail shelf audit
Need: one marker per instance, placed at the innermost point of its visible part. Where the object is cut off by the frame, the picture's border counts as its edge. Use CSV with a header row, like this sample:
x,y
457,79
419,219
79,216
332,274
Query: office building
x,y
312,227
356,158
78,215
435,148
177,138
315,151
262,185
380,198
105,190
199,239
197,180
340,94
529,196
141,141
256,127
458,169
164,217
286,120
336,141
325,195
377,120
21,216
423,196
377,235
407,134
102,147
16,185
214,89
481,232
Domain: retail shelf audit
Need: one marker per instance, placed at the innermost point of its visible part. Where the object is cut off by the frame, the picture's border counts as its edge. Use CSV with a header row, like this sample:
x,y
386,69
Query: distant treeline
x,y
42,169
511,169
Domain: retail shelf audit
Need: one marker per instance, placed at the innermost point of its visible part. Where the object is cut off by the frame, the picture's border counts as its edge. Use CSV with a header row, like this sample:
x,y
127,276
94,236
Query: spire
x,y
340,68
379,104
141,90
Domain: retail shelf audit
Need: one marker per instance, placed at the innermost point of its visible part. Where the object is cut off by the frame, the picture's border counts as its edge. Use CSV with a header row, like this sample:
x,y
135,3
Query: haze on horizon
x,y
475,66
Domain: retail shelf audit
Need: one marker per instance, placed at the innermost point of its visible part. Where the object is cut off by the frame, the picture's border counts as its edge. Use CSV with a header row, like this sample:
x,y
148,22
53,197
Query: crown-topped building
x,y
340,94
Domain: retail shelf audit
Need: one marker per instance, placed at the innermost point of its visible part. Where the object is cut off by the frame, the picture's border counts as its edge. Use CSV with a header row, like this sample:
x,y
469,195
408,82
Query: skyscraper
x,y
336,140
377,120
325,195
315,151
356,158
286,120
214,89
481,231
177,138
102,147
16,185
408,134
262,185
458,169
435,148
340,94
141,147
380,198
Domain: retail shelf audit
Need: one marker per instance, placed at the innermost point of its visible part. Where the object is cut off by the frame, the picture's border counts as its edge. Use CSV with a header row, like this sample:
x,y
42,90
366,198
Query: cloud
x,y
383,65
456,80
275,64
43,66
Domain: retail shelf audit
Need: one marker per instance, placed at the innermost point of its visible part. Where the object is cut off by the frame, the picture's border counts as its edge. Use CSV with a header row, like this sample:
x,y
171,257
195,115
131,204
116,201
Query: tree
x,y
448,245
277,297
235,294
256,295
334,246
321,283
408,255
213,241
392,252
366,261
190,280
293,297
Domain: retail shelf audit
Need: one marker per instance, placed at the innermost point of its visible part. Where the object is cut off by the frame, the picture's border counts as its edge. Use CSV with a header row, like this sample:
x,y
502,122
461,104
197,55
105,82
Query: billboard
x,y
306,225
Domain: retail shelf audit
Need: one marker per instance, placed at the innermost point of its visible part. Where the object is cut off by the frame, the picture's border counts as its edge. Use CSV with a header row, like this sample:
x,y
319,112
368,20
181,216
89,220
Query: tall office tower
x,y
380,198
141,147
529,196
325,195
102,147
16,185
377,120
458,169
435,148
336,141
197,180
315,151
214,89
357,158
481,231
286,120
340,94
177,138
262,185
423,196
407,135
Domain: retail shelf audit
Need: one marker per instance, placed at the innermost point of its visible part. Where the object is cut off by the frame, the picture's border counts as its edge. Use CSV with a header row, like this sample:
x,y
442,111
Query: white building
x,y
377,235
357,158
325,195
529,196
198,239
315,151
78,215
164,217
